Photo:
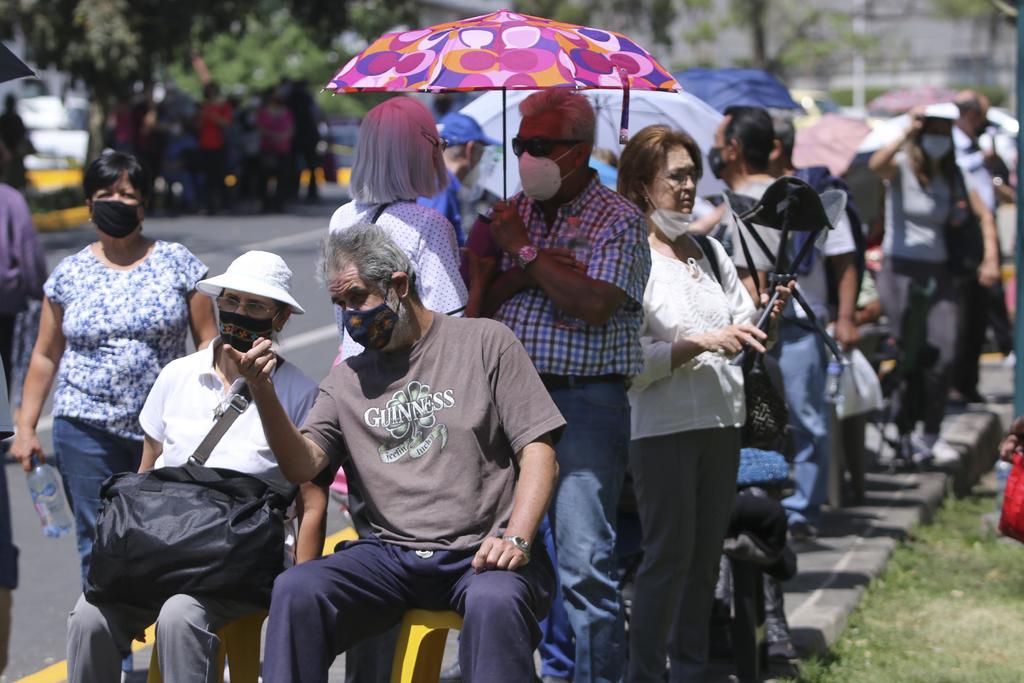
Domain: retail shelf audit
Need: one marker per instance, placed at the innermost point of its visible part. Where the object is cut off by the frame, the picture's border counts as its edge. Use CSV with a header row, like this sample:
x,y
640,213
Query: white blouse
x,y
706,391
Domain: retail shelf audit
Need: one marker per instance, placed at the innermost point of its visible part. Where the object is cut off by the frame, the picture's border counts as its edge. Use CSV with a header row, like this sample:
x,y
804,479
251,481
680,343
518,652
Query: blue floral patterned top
x,y
122,327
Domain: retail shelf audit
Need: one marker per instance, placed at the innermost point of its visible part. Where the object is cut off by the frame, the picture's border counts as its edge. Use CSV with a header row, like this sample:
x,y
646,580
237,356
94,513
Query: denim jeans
x,y
86,455
557,651
592,457
803,360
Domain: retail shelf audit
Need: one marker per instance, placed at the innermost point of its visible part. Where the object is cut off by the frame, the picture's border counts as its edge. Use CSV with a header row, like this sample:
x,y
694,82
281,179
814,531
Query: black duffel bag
x,y
190,529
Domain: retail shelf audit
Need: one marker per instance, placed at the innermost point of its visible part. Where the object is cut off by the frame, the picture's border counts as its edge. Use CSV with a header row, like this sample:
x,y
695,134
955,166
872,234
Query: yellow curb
x,y
61,219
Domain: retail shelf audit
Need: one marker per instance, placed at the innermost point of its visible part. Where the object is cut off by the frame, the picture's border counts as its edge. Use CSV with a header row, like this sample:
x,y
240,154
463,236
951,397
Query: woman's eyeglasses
x,y
253,309
435,140
538,147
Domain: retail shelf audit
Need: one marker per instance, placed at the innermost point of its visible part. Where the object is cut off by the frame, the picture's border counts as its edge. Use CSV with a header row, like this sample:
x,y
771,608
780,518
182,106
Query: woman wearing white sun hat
x,y
253,300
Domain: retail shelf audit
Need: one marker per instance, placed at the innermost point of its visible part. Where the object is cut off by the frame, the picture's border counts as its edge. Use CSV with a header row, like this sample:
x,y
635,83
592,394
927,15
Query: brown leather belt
x,y
553,382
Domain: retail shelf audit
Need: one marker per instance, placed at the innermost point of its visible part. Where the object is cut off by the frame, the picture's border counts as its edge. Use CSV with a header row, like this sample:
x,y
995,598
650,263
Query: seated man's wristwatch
x,y
522,544
526,255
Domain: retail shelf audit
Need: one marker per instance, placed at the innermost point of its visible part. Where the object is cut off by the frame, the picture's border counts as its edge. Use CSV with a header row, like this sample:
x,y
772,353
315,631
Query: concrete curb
x,y
856,543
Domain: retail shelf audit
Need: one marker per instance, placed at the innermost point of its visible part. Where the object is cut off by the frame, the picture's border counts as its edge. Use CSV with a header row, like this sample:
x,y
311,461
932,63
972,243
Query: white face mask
x,y
541,176
936,146
672,224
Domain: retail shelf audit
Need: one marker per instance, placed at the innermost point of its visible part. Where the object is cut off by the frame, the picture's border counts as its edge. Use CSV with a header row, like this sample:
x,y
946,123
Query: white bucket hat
x,y
255,272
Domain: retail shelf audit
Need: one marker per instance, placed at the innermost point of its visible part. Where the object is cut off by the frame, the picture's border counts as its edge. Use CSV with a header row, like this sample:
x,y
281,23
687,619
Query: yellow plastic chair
x,y
240,643
421,645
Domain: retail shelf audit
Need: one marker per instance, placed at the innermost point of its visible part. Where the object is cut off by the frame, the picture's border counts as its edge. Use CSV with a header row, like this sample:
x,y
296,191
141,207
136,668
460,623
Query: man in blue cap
x,y
466,143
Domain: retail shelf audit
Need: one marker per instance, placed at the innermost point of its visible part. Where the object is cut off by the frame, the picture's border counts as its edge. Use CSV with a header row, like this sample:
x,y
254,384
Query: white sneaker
x,y
944,453
921,447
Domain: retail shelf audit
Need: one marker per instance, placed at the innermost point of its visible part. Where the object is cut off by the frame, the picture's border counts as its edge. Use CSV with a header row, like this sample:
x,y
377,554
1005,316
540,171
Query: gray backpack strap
x,y
238,401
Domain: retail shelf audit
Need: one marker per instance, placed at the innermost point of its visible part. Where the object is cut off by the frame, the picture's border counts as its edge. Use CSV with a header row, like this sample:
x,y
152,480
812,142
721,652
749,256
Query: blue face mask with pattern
x,y
371,328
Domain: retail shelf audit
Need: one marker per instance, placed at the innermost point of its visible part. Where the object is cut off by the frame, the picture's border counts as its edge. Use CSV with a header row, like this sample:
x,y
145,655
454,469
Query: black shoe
x,y
781,651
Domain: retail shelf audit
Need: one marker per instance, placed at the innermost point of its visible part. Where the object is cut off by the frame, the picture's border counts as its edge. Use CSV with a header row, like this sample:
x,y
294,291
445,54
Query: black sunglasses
x,y
537,147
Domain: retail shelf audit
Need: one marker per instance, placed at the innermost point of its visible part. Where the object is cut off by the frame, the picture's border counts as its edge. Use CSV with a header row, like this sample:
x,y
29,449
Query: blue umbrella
x,y
723,88
11,67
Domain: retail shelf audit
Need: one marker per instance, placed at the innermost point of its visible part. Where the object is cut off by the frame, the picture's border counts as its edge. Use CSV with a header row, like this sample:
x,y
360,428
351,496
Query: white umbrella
x,y
892,129
676,110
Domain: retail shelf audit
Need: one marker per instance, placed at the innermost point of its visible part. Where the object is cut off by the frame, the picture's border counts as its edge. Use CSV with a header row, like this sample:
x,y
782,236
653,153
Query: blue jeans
x,y
86,456
320,609
8,551
592,457
803,359
557,651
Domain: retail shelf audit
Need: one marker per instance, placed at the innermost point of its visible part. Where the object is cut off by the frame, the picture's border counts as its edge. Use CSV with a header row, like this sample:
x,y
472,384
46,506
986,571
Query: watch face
x,y
526,255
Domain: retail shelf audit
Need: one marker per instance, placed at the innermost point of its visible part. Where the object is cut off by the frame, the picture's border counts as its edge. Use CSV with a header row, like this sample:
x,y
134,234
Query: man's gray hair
x,y
785,133
370,250
578,119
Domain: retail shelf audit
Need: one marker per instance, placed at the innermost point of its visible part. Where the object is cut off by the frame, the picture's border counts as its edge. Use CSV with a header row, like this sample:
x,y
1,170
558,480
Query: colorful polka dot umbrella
x,y
503,51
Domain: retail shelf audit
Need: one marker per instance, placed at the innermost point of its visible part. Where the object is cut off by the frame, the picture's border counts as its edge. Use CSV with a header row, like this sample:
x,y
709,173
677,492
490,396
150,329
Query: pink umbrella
x,y
504,51
832,141
902,100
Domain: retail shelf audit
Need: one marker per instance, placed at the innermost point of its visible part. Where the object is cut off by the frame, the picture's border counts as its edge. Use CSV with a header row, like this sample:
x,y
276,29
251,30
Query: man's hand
x,y
497,553
257,364
1014,441
988,273
567,258
507,228
846,333
785,293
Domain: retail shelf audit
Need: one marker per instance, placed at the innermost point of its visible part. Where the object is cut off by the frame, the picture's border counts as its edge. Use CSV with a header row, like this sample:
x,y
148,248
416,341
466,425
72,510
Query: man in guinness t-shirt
x,y
446,430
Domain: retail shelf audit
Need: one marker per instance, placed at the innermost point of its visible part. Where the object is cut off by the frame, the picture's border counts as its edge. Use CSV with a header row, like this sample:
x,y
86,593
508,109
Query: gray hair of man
x,y
398,156
578,119
785,133
375,256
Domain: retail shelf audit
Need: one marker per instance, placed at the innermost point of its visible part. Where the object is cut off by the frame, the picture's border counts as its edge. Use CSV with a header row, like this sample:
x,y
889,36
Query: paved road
x,y
49,582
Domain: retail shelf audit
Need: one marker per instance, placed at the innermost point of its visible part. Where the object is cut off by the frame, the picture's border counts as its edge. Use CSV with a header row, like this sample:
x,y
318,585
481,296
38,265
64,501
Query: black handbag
x,y
965,246
767,413
190,529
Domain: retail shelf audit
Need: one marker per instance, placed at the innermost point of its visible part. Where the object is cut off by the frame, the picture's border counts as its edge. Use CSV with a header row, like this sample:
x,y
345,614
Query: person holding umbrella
x,y
927,197
575,266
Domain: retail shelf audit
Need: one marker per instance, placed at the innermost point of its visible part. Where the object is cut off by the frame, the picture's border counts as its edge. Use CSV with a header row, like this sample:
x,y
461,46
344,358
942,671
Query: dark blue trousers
x,y
320,608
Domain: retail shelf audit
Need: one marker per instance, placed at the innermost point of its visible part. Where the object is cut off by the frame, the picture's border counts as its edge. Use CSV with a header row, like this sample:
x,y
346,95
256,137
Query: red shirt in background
x,y
211,130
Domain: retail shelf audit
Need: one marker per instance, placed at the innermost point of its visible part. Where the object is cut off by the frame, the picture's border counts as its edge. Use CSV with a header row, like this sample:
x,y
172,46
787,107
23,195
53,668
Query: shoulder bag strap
x,y
704,242
380,211
238,401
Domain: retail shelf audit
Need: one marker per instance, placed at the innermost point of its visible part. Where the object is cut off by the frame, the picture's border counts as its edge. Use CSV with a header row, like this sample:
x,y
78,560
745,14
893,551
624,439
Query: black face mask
x,y
715,162
115,218
241,331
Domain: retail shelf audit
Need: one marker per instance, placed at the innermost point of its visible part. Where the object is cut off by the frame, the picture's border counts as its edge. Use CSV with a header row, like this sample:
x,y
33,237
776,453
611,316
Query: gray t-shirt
x,y
915,217
429,436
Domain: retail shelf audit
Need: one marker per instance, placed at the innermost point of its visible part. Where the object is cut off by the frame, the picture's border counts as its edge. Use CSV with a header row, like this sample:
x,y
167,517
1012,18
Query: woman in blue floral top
x,y
115,314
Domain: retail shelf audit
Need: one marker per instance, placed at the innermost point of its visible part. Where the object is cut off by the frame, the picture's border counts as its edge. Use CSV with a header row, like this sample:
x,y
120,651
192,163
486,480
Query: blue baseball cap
x,y
458,129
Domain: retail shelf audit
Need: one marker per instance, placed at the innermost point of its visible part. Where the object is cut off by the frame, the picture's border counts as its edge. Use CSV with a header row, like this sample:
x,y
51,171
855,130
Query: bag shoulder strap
x,y
380,211
238,401
704,242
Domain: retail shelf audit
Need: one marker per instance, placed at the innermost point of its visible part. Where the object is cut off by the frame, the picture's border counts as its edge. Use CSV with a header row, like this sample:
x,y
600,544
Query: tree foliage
x,y
110,44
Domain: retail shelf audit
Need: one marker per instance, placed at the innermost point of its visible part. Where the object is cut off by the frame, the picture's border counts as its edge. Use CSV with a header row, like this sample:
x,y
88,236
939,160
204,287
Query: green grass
x,y
948,609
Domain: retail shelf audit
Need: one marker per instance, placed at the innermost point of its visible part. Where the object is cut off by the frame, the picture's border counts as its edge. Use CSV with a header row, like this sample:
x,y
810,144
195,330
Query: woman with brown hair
x,y
687,407
926,198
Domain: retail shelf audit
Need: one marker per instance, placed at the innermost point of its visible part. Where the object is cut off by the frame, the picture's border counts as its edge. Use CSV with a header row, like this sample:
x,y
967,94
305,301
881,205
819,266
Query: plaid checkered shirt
x,y
619,255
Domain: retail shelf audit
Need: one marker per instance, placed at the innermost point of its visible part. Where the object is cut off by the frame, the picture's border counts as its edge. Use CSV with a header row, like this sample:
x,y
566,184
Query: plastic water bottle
x,y
833,382
572,237
1003,469
48,498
